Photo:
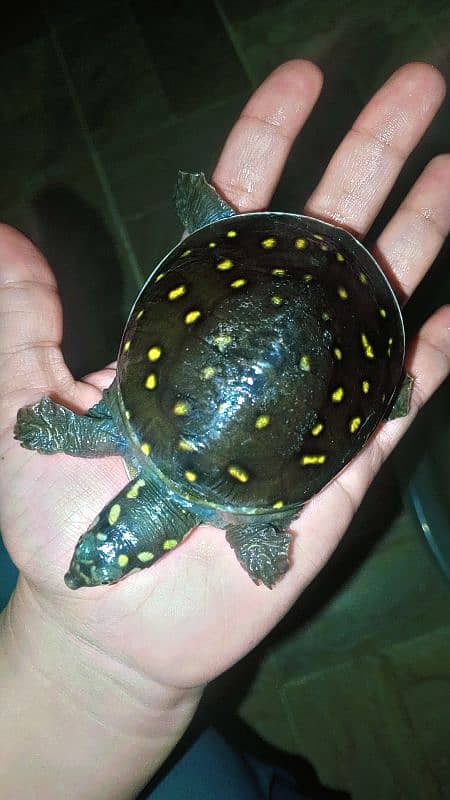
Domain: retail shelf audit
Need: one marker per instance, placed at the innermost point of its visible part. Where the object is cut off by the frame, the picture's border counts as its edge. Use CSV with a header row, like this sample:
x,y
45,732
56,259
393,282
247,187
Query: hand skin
x,y
99,684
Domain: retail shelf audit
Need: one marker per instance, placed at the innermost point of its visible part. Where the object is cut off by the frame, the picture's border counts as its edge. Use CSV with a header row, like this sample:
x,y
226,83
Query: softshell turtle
x,y
259,357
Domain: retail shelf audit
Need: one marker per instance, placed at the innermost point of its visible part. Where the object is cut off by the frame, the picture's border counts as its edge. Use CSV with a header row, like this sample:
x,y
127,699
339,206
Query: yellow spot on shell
x,y
368,349
300,244
338,395
238,473
145,447
339,257
179,291
160,277
354,424
114,514
145,556
318,236
186,253
262,422
278,271
207,373
180,408
154,353
169,544
190,476
133,492
140,313
363,278
325,316
151,381
185,446
383,313
305,363
390,341
102,537
277,300
222,341
307,277
237,284
231,234
126,346
338,353
127,414
365,386
225,264
212,244
269,243
122,560
306,460
343,294
317,429
324,246
192,316
278,504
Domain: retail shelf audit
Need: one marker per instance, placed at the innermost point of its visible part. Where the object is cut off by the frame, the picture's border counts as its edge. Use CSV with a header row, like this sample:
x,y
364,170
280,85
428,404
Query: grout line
x,y
114,212
235,42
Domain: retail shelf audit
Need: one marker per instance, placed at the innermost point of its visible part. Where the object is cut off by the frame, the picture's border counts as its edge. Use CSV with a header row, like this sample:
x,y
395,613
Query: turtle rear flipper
x,y
402,402
261,548
197,202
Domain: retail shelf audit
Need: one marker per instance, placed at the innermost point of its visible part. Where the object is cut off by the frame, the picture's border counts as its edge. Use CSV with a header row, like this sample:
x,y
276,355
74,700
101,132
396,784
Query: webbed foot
x,y
402,402
50,428
40,426
262,548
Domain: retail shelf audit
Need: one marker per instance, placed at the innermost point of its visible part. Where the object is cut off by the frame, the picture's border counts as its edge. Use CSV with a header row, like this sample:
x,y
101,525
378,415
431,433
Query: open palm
x,y
193,614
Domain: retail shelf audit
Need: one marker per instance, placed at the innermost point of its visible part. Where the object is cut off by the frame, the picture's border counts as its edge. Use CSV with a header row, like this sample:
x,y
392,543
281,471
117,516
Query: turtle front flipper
x,y
134,530
197,202
49,427
262,548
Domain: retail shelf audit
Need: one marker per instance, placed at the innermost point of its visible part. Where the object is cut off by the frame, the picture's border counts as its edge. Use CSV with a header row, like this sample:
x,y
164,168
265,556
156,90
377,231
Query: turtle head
x,y
197,202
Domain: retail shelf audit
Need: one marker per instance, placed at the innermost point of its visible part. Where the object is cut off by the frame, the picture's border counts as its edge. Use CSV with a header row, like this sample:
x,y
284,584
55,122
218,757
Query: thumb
x,y
31,361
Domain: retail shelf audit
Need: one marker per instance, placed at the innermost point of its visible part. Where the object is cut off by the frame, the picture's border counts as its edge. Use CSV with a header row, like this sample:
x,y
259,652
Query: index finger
x,y
257,148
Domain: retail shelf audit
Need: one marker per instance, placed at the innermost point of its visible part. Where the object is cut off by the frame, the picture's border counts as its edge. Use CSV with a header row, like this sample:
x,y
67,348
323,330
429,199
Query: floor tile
x,y
114,81
38,124
145,176
193,55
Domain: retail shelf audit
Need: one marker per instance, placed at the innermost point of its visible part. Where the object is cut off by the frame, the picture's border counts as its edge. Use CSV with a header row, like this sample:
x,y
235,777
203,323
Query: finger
x,y
259,143
102,378
428,362
412,239
332,510
31,361
365,166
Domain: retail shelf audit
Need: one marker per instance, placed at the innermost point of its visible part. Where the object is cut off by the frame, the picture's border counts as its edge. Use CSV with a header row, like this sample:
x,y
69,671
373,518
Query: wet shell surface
x,y
258,359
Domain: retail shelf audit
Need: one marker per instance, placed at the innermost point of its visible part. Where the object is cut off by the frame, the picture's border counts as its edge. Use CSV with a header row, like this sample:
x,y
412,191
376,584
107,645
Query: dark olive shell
x,y
259,357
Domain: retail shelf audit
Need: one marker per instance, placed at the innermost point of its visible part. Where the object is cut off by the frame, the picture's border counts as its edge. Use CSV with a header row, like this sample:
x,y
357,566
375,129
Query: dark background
x,y
101,103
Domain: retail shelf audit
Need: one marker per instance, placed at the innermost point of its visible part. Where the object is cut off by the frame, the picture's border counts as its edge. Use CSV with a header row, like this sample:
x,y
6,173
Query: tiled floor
x,y
101,104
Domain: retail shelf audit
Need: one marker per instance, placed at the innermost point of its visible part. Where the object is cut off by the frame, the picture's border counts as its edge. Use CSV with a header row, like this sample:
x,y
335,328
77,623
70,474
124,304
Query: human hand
x,y
176,623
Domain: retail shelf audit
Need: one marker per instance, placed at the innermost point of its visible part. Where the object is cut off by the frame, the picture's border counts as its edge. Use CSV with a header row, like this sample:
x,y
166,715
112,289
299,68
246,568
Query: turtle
x,y
259,357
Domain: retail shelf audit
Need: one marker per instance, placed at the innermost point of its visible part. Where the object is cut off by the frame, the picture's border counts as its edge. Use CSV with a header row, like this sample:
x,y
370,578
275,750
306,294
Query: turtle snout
x,y
91,565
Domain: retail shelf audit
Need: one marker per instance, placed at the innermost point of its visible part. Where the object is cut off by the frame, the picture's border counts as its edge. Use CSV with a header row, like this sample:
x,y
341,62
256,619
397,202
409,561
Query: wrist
x,y
92,724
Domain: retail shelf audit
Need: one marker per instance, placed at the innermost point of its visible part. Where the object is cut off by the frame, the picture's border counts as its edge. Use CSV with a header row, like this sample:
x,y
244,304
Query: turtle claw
x,y
40,426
